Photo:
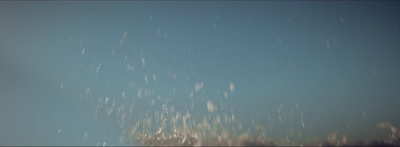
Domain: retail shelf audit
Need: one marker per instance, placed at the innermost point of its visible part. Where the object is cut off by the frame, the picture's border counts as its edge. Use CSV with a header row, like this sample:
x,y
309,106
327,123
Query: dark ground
x,y
193,139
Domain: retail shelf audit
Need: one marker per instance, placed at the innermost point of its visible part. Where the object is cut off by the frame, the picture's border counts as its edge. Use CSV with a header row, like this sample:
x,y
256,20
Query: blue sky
x,y
337,60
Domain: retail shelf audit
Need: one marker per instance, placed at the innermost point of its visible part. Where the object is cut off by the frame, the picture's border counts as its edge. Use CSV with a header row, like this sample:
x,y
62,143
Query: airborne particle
x,y
327,44
225,94
231,87
125,34
211,107
145,79
143,62
98,67
198,86
121,42
88,90
139,93
85,135
173,89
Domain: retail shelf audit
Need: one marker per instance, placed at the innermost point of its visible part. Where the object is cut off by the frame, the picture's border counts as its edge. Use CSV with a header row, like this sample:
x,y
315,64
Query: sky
x,y
318,67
